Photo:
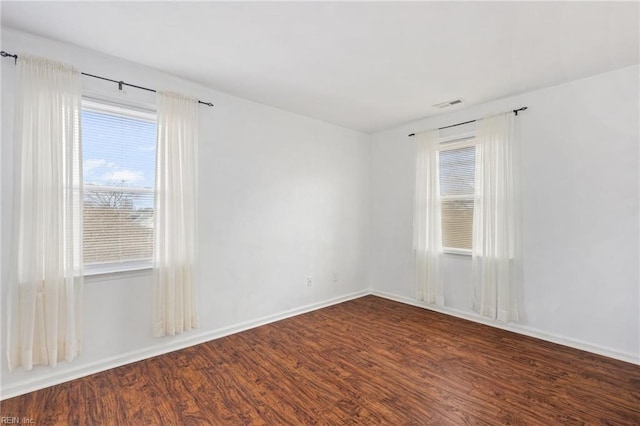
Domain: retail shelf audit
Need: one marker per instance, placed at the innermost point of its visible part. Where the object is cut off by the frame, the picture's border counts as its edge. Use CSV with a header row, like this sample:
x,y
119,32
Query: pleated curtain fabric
x,y
46,278
427,222
175,216
497,219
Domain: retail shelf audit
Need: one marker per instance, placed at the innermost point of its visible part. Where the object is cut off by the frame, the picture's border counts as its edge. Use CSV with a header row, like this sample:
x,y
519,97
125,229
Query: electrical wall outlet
x,y
309,281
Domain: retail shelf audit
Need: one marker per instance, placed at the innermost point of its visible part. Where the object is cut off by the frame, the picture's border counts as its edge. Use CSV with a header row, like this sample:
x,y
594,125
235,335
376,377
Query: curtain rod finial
x,y
5,54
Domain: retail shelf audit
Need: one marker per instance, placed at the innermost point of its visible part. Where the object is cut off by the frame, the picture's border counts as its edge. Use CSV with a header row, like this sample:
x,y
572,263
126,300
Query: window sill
x,y
457,252
111,271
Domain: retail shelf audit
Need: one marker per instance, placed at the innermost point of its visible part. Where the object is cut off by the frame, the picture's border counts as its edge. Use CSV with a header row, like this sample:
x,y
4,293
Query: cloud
x,y
123,175
101,172
90,165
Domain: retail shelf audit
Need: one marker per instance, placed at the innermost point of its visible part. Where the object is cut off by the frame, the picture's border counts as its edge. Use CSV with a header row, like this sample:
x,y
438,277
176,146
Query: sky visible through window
x,y
118,150
457,171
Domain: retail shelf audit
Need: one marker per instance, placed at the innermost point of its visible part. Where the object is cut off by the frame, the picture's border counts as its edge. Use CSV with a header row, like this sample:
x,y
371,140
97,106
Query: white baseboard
x,y
190,339
195,338
517,328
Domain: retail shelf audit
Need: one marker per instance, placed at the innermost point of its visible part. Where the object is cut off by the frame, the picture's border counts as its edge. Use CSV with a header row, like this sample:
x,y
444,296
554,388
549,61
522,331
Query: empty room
x,y
294,213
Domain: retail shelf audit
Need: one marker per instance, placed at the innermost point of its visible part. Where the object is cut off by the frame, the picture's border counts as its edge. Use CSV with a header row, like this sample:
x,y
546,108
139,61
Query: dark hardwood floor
x,y
367,361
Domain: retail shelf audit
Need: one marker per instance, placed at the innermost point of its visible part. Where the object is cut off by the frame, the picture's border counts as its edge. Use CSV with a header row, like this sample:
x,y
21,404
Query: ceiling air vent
x,y
447,104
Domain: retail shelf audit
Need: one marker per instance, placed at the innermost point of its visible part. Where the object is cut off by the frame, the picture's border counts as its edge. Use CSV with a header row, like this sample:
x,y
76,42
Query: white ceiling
x,y
366,66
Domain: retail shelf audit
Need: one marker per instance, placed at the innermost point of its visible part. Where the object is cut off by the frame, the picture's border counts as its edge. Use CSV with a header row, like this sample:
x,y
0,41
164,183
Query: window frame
x,y
447,144
140,112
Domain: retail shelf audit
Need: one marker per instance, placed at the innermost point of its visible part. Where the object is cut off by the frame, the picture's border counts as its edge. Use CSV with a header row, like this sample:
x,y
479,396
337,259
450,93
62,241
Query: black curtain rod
x,y
120,83
515,111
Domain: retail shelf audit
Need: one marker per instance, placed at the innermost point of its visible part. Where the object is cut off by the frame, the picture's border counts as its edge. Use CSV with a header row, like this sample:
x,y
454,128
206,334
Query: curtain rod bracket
x,y
120,83
516,111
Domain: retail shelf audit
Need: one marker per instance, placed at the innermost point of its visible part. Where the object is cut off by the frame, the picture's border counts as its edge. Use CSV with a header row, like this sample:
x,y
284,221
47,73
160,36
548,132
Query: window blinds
x,y
457,178
119,149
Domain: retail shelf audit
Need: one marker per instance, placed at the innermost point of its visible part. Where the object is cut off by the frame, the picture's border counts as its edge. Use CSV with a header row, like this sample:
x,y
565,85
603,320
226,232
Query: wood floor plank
x,y
367,361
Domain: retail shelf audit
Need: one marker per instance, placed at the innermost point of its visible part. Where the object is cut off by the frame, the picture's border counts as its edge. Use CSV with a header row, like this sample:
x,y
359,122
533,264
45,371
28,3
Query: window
x,y
118,152
457,185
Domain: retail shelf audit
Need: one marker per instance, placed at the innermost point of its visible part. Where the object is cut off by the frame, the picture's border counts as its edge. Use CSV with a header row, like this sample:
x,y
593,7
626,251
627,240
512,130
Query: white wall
x,y
580,210
282,196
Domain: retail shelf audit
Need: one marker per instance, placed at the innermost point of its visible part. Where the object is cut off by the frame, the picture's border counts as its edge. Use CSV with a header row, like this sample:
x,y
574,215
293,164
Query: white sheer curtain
x,y
497,220
176,214
427,223
45,306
